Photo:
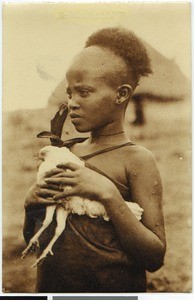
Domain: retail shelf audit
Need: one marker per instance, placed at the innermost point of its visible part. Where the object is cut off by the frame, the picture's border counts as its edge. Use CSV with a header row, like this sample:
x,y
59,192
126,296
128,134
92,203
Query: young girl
x,y
93,255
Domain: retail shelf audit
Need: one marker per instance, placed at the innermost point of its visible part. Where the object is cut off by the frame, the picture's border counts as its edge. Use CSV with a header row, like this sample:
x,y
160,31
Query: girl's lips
x,y
74,116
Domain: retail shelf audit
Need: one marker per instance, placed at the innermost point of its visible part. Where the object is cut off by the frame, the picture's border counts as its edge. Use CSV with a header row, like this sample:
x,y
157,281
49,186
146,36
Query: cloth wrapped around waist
x,y
88,257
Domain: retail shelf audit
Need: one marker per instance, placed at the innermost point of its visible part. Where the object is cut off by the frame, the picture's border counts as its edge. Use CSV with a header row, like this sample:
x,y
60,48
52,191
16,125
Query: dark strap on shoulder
x,y
73,141
85,157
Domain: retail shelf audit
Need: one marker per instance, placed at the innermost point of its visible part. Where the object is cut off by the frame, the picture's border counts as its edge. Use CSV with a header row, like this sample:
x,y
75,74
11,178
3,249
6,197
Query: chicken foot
x,y
34,243
61,217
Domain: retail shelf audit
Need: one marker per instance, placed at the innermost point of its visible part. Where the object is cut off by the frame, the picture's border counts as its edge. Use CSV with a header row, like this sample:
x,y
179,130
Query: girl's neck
x,y
108,137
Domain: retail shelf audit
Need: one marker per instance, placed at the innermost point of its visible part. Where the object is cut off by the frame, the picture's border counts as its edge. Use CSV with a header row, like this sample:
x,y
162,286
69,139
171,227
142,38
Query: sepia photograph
x,y
96,138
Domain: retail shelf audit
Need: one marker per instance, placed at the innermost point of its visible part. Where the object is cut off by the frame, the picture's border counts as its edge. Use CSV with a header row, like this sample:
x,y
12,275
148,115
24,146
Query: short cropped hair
x,y
125,44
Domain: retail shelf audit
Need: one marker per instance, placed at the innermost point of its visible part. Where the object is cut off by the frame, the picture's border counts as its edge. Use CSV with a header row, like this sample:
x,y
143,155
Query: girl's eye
x,y
84,93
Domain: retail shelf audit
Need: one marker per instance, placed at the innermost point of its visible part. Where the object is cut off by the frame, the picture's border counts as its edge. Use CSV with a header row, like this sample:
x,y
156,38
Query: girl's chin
x,y
81,129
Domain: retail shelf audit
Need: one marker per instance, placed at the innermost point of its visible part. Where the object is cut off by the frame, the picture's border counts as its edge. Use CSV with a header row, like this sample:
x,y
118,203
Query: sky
x,y
39,41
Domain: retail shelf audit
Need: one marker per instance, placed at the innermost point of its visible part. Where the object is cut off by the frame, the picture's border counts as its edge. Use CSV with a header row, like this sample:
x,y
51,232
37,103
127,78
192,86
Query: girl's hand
x,y
41,193
83,181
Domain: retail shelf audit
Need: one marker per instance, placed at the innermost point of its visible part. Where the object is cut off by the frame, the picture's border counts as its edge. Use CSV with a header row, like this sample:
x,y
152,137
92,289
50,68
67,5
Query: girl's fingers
x,y
52,172
47,202
54,187
44,193
70,166
65,194
61,181
65,174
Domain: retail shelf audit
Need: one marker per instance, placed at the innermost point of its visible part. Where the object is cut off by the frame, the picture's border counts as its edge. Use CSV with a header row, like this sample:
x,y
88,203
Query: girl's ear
x,y
124,93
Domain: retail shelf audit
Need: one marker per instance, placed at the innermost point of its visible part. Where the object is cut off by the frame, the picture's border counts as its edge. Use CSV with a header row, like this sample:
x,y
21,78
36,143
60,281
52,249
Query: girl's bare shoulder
x,y
139,157
139,153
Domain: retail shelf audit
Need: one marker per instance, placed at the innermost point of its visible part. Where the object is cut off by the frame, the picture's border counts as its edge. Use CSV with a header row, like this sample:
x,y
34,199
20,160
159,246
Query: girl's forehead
x,y
95,55
76,73
95,62
86,74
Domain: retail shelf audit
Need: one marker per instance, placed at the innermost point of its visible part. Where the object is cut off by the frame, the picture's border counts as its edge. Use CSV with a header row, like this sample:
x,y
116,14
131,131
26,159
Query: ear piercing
x,y
118,101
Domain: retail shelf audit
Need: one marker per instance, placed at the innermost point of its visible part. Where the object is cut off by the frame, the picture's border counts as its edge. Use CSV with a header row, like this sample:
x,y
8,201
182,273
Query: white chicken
x,y
52,156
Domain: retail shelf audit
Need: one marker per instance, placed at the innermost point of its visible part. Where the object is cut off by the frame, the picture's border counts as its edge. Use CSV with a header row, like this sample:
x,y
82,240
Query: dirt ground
x,y
167,134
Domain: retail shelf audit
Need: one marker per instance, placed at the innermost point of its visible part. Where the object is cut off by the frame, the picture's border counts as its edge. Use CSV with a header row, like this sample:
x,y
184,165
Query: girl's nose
x,y
72,104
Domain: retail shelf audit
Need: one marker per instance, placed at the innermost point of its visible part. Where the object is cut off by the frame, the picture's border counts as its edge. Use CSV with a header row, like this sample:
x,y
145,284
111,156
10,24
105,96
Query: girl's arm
x,y
145,240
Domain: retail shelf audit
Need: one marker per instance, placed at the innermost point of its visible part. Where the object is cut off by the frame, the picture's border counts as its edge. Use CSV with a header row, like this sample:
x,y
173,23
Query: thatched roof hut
x,y
166,82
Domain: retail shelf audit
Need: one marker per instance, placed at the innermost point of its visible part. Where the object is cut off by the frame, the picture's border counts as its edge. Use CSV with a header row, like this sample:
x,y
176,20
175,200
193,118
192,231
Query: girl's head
x,y
101,79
